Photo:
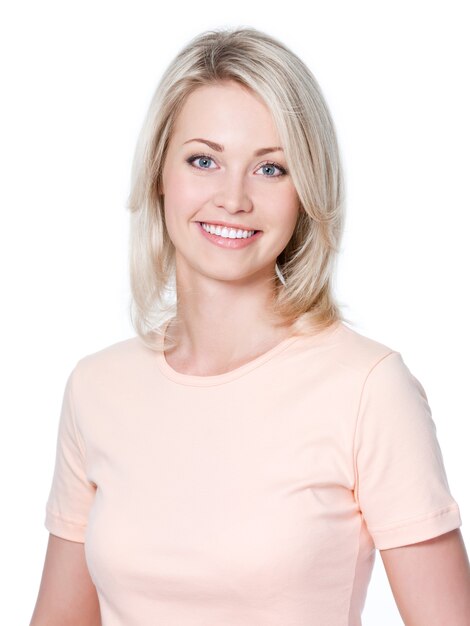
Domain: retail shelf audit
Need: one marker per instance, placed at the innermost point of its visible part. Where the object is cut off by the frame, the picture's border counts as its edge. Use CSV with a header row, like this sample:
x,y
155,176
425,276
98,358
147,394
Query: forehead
x,y
224,112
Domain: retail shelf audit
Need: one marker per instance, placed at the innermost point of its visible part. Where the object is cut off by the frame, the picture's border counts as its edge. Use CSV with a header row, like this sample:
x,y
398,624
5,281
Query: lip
x,y
237,226
227,243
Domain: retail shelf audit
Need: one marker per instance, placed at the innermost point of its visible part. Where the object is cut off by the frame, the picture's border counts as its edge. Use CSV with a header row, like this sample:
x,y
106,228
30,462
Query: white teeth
x,y
228,233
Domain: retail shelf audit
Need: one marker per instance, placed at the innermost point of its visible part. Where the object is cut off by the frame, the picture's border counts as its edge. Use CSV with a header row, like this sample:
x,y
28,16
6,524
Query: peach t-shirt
x,y
255,497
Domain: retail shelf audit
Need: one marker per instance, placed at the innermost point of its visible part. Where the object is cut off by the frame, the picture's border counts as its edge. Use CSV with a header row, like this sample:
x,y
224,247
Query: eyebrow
x,y
219,148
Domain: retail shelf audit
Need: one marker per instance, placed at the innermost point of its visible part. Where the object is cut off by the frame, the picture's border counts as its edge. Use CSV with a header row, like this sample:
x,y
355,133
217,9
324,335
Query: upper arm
x,y
67,595
401,483
430,580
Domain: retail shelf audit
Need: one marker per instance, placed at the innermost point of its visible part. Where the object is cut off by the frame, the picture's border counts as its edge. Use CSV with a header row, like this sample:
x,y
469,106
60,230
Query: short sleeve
x,y
71,493
401,483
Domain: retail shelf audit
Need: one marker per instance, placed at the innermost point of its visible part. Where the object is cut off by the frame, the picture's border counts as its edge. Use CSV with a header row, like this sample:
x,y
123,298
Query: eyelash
x,y
195,157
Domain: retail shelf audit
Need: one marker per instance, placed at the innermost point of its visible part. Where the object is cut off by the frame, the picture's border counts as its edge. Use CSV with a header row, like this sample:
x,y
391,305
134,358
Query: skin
x,y
222,299
67,595
430,580
223,294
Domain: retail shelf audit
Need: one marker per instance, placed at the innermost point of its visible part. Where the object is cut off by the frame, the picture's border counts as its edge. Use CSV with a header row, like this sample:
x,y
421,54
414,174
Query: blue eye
x,y
205,158
199,157
282,170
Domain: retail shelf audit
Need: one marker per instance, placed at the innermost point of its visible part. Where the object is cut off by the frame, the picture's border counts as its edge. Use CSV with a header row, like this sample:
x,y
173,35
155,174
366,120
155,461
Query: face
x,y
224,167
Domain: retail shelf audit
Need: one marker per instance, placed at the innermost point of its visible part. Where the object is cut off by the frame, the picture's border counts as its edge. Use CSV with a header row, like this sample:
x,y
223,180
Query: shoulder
x,y
377,366
356,351
113,362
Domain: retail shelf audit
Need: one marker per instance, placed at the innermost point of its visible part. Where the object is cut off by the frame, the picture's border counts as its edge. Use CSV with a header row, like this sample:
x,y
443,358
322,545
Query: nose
x,y
232,194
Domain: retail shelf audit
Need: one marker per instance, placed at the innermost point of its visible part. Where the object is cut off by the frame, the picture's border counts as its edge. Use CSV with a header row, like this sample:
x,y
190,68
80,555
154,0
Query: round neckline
x,y
216,379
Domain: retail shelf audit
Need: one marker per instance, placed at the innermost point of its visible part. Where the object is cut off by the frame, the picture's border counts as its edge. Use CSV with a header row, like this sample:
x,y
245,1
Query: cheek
x,y
293,202
183,195
285,211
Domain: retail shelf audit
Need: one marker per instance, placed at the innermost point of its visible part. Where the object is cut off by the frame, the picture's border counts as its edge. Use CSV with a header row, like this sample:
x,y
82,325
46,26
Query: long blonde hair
x,y
302,285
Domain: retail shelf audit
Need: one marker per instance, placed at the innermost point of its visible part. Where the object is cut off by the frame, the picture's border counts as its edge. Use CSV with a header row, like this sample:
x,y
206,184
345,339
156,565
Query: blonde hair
x,y
302,285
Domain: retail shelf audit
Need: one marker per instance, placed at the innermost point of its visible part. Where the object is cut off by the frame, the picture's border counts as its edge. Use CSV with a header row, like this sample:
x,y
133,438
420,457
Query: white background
x,y
76,82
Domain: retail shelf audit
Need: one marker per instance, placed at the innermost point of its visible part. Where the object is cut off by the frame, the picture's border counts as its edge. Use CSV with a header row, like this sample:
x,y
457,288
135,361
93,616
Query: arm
x,y
430,580
67,595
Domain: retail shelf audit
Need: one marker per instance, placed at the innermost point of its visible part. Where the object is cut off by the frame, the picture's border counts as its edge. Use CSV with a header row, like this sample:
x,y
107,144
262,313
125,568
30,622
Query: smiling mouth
x,y
226,232
230,238
229,227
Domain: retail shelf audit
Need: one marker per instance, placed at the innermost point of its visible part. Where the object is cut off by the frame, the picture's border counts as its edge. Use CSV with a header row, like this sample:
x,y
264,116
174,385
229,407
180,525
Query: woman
x,y
242,457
